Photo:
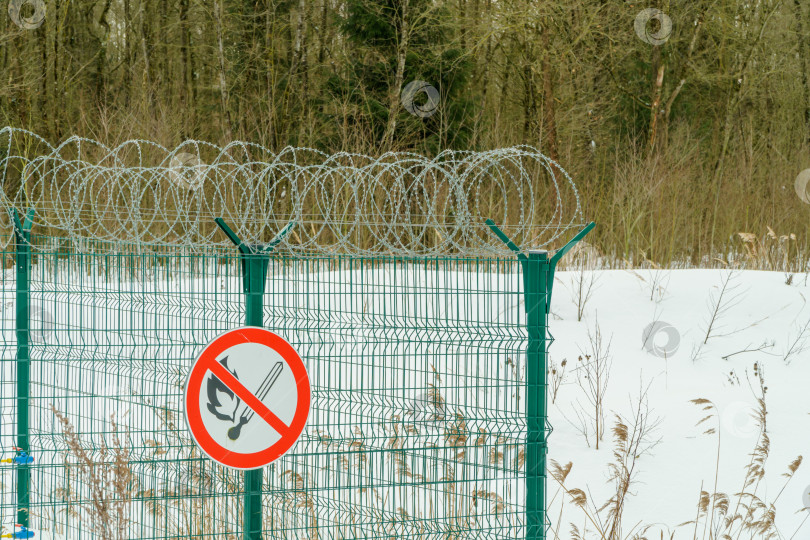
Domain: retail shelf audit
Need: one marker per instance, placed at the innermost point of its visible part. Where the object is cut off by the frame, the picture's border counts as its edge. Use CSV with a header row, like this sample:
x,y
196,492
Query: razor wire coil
x,y
399,203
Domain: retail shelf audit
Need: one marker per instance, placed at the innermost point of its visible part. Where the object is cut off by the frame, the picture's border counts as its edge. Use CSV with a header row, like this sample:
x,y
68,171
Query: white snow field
x,y
760,331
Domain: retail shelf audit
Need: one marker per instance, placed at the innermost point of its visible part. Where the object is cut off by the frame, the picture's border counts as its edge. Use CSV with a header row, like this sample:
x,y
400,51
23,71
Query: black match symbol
x,y
261,393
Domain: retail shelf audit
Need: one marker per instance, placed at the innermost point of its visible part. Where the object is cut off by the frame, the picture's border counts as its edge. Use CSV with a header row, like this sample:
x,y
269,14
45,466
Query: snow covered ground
x,y
758,345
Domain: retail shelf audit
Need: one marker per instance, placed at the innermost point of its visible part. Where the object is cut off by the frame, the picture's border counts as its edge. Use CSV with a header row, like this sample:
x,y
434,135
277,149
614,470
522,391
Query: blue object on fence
x,y
22,458
22,533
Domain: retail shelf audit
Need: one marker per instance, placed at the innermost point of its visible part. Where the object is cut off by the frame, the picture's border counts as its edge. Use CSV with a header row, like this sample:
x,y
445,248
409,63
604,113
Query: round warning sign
x,y
247,398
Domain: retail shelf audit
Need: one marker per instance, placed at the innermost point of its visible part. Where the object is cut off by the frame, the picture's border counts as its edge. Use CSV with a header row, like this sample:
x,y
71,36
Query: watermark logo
x,y
428,406
27,14
738,420
409,101
653,26
41,326
585,254
187,171
652,343
800,185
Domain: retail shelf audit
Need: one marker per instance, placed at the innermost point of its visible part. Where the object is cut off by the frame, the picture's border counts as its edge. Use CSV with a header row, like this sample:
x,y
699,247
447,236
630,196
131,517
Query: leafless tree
x,y
593,374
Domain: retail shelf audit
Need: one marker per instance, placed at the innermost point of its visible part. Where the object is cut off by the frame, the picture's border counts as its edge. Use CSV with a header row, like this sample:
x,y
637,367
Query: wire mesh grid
x,y
417,426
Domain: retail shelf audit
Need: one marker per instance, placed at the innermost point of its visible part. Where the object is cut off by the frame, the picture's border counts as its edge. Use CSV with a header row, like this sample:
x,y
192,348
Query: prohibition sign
x,y
247,398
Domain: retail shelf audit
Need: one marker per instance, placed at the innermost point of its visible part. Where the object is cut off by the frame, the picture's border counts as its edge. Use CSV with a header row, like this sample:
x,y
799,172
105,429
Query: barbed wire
x,y
399,203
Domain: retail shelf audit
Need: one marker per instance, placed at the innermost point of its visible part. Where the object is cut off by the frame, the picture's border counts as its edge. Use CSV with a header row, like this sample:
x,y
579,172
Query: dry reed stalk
x,y
746,514
111,481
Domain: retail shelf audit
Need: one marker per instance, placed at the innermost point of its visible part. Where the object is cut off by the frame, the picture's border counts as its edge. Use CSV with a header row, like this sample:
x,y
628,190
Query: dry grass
x,y
106,472
748,513
201,500
193,505
660,207
744,514
633,438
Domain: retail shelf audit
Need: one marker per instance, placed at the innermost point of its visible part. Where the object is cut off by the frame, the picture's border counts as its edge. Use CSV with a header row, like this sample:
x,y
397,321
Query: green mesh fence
x,y
418,426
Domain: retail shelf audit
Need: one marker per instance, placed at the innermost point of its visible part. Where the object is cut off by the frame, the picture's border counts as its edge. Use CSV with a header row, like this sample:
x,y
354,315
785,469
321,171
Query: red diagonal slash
x,y
247,396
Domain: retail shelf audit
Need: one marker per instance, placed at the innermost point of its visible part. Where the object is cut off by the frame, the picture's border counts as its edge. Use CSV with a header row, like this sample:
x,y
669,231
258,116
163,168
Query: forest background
x,y
684,124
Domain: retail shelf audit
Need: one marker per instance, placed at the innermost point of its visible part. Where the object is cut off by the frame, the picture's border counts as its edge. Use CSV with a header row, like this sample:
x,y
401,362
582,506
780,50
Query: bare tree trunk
x,y
5,53
657,69
734,97
165,77
323,32
396,89
146,51
57,61
505,76
804,56
663,130
463,26
299,65
655,104
298,46
484,75
223,85
549,120
127,64
529,99
42,43
188,61
270,86
101,58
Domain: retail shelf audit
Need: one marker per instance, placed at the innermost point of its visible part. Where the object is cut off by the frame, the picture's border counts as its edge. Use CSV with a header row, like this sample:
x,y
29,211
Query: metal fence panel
x,y
418,426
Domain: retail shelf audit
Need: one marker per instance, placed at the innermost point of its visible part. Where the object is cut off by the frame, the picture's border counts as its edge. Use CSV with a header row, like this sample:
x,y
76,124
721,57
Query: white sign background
x,y
251,363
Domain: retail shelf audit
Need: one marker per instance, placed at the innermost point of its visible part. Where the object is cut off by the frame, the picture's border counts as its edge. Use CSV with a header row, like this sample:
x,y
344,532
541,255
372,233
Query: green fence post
x,y
22,242
538,280
254,275
254,260
535,283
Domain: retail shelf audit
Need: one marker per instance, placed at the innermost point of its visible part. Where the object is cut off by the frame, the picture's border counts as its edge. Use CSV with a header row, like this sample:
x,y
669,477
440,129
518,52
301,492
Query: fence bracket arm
x,y
574,241
505,239
231,235
258,249
559,255
279,237
24,227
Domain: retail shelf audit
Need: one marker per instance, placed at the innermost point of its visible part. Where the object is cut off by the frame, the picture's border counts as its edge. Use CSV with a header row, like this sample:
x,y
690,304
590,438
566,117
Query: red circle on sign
x,y
207,361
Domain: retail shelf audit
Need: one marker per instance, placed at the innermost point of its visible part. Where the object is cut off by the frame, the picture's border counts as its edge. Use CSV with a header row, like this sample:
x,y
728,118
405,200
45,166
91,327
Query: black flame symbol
x,y
214,388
